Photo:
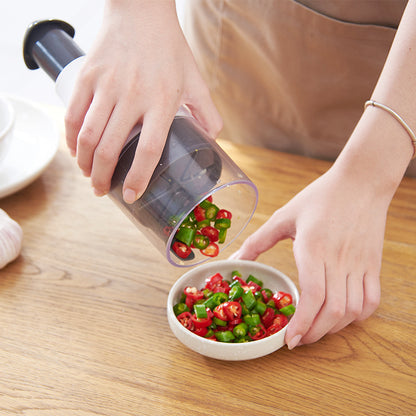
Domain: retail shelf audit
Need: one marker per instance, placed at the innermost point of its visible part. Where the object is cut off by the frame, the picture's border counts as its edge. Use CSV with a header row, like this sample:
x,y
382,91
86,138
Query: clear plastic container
x,y
192,168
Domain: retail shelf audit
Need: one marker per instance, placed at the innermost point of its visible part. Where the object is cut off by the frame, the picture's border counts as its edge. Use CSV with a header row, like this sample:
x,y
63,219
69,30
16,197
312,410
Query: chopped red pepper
x,y
219,312
211,232
232,310
211,250
193,293
199,213
282,299
223,213
267,317
281,320
181,249
201,322
185,318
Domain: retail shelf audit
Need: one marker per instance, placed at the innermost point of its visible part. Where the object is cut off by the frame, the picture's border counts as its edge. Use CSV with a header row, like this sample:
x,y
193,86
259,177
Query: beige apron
x,y
292,75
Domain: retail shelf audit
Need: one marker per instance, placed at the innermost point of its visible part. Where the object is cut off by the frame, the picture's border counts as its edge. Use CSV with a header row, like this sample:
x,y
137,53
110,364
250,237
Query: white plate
x,y
34,145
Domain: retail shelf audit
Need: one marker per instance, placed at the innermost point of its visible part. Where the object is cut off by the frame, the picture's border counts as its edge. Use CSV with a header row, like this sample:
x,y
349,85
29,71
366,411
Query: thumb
x,y
278,227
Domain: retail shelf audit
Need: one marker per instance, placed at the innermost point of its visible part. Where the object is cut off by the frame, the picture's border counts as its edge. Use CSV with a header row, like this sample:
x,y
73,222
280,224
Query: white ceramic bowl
x,y
272,279
7,117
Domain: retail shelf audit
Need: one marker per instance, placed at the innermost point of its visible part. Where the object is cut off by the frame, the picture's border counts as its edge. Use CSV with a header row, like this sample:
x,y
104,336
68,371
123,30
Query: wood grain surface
x,y
83,327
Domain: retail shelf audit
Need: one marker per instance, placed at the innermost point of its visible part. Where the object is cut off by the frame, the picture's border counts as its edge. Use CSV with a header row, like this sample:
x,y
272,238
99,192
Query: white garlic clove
x,y
11,237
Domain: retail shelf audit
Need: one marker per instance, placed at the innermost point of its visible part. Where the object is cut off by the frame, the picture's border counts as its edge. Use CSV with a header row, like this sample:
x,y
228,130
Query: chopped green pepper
x,y
185,235
249,299
240,330
236,292
288,310
252,319
224,336
236,273
200,310
260,307
211,212
218,321
222,223
222,235
179,308
201,241
202,224
253,279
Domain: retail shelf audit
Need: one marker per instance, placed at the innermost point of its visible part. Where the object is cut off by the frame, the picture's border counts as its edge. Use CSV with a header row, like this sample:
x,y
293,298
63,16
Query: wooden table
x,y
83,328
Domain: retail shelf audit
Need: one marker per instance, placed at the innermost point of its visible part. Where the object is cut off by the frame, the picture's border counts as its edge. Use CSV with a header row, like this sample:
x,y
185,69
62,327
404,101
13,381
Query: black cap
x,y
49,44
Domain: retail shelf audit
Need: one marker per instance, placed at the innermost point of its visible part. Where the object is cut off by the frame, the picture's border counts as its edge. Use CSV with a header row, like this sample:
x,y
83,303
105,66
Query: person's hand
x,y
140,69
337,228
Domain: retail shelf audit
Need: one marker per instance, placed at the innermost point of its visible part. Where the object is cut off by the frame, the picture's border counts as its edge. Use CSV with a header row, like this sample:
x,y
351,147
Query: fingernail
x,y
294,341
129,196
72,152
97,192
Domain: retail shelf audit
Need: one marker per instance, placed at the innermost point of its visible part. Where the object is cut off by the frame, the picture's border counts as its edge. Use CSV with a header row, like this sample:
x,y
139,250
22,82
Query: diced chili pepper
x,y
201,322
252,319
242,339
201,241
223,213
220,297
235,292
260,307
240,330
179,308
207,293
193,293
222,235
232,310
273,329
200,311
213,281
249,299
280,320
288,310
257,332
234,322
199,213
209,333
267,317
185,235
185,318
222,223
220,312
223,287
253,279
282,299
181,250
219,322
211,250
202,224
239,280
224,336
254,287
267,294
201,331
236,273
210,232
211,212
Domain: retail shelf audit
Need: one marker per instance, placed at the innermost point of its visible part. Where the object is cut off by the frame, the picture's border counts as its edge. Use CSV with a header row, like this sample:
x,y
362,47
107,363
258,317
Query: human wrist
x,y
377,153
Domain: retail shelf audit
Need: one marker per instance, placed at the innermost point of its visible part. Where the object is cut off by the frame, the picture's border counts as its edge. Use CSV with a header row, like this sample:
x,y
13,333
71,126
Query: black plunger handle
x,y
49,44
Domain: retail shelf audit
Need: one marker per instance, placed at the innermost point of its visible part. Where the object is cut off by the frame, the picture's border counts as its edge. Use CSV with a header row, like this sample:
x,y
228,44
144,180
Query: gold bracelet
x,y
398,118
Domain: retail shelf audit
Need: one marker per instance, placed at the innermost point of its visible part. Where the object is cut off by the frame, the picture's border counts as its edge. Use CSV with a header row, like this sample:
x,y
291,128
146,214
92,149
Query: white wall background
x,y
16,15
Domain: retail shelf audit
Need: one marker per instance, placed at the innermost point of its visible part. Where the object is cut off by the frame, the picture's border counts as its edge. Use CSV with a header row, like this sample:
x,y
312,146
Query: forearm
x,y
380,149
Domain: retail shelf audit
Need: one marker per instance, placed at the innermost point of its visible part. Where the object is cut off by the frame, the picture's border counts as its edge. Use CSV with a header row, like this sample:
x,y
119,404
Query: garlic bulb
x,y
11,236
